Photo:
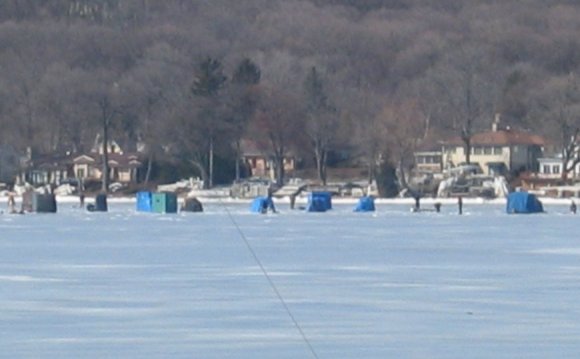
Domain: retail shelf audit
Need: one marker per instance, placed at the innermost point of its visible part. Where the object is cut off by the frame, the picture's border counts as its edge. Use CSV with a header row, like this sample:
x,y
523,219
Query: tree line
x,y
189,79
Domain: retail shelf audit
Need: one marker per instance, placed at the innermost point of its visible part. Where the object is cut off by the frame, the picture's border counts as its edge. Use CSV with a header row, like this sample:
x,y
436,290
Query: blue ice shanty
x,y
156,202
319,202
523,202
365,204
144,201
262,205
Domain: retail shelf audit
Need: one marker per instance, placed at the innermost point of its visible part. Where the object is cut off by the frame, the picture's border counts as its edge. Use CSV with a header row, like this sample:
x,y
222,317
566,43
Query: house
x,y
428,156
551,167
48,169
498,151
259,162
82,167
123,166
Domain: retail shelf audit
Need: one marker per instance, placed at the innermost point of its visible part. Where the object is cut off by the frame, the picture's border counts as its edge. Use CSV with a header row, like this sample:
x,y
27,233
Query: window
x,y
546,169
81,173
497,150
477,150
555,169
487,150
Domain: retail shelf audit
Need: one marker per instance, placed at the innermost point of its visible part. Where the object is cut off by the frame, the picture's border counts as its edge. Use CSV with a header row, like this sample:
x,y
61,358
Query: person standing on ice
x,y
292,200
460,204
268,204
11,203
573,207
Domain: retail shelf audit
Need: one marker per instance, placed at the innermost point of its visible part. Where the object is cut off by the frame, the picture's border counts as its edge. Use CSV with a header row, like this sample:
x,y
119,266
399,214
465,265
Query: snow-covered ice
x,y
390,284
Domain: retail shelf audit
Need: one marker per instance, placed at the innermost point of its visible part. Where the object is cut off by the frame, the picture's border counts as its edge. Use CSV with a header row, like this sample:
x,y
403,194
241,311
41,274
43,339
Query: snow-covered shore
x,y
337,200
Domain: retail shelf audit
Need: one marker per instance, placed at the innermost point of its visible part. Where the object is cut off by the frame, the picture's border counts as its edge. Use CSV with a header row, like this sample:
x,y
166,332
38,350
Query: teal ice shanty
x,y
157,202
365,204
164,202
523,202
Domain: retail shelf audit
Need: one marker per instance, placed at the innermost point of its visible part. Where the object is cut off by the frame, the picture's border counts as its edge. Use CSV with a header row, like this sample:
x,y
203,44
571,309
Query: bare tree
x,y
154,88
276,126
321,121
360,109
100,94
557,110
404,124
468,92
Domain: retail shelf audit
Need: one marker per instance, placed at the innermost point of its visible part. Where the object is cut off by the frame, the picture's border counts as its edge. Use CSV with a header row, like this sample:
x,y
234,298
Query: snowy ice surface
x,y
390,284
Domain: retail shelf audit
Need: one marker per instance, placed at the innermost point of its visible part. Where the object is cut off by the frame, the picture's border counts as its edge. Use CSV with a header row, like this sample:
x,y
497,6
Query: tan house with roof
x,y
498,151
82,167
123,167
428,155
259,163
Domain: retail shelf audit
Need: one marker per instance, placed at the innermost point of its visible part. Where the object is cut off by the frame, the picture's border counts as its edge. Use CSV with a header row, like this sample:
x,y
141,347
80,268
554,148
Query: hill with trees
x,y
188,79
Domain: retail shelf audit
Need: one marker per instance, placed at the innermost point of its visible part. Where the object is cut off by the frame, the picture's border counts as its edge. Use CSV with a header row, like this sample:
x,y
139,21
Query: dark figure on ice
x,y
417,203
268,204
460,204
573,207
437,207
296,194
11,203
264,208
292,200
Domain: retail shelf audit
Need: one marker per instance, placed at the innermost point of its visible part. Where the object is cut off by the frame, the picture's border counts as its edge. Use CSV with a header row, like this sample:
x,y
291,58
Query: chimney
x,y
496,121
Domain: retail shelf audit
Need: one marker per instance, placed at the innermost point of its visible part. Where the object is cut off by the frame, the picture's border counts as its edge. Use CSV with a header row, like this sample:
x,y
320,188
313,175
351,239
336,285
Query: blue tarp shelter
x,y
365,204
523,202
319,202
144,201
262,205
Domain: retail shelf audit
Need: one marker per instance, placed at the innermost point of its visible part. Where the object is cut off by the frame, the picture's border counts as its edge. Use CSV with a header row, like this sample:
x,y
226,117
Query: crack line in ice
x,y
271,282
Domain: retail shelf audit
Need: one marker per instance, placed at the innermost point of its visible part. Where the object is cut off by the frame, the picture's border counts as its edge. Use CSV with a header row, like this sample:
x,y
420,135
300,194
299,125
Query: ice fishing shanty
x,y
523,203
157,202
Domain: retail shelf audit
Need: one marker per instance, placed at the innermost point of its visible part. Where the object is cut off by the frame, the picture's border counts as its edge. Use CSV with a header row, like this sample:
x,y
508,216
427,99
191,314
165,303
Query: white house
x,y
498,151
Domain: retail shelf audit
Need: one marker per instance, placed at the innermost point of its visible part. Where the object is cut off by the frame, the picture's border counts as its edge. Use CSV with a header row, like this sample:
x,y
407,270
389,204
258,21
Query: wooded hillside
x,y
190,78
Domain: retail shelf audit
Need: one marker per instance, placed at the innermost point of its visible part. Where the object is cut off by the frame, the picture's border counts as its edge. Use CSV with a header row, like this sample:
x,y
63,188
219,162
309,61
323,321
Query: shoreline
x,y
336,200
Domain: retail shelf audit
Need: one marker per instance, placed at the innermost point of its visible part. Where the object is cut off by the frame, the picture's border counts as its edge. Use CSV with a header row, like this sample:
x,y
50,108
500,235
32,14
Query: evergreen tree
x,y
207,84
247,73
243,102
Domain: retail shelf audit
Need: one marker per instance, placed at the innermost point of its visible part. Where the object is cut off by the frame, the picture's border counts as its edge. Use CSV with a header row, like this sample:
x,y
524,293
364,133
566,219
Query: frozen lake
x,y
392,284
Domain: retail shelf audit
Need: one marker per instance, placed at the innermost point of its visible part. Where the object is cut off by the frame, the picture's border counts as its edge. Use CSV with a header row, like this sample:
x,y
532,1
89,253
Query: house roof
x,y
430,143
505,137
64,162
51,162
251,148
83,159
125,160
